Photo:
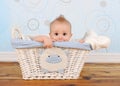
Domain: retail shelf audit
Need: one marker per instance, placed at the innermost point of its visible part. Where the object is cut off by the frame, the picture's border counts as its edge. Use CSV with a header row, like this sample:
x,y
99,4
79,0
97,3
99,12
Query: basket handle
x,y
16,33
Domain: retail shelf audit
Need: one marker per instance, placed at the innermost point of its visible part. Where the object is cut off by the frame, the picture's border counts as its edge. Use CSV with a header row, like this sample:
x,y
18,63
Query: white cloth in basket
x,y
96,41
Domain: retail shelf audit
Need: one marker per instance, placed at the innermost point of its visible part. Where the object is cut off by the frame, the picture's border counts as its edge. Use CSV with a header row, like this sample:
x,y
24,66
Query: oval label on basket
x,y
53,59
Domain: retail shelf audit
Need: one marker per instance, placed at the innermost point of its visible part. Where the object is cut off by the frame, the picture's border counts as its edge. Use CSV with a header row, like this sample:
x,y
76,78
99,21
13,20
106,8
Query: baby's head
x,y
60,29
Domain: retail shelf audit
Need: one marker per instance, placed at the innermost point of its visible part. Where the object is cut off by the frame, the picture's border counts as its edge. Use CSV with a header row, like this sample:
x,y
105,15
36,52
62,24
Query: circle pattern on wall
x,y
37,5
103,3
33,24
29,5
17,0
66,1
99,21
103,23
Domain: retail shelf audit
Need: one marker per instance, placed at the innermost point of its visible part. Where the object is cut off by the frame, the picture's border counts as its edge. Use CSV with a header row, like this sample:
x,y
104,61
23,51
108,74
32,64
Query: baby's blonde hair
x,y
60,19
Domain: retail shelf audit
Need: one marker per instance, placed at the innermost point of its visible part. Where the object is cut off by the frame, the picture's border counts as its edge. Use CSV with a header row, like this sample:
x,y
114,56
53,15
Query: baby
x,y
60,30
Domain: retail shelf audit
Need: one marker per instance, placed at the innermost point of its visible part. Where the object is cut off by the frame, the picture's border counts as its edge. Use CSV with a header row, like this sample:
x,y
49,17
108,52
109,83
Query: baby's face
x,y
60,32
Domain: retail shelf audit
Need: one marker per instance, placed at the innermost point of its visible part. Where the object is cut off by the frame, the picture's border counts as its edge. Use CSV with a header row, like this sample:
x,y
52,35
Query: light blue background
x,y
34,16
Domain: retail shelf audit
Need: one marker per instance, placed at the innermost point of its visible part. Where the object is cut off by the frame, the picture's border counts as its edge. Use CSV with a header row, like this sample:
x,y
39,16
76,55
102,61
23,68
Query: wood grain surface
x,y
91,75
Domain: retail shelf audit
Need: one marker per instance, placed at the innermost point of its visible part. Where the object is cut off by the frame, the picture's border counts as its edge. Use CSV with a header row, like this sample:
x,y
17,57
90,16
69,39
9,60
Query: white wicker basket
x,y
36,63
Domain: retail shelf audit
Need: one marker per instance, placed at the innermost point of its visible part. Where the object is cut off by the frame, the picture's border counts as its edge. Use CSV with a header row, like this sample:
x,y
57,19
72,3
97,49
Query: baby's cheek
x,y
66,39
69,37
52,37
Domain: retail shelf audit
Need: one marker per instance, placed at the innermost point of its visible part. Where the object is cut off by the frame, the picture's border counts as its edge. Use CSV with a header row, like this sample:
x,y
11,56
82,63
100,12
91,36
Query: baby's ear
x,y
71,34
49,34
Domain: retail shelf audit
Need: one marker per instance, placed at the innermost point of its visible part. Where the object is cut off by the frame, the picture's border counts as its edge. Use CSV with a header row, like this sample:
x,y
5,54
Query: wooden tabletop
x,y
91,75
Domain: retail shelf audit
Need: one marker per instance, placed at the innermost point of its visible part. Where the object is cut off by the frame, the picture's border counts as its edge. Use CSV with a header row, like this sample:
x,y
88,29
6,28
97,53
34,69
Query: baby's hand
x,y
48,43
81,41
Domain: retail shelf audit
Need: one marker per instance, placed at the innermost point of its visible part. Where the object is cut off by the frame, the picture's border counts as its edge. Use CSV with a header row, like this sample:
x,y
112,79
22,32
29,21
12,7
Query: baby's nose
x,y
60,37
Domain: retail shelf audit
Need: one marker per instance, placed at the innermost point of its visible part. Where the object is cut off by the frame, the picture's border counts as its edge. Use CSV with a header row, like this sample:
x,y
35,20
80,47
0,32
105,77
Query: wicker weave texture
x,y
29,60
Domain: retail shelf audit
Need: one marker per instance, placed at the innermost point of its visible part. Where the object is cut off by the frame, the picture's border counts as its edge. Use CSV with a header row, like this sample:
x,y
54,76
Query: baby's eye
x,y
64,34
56,34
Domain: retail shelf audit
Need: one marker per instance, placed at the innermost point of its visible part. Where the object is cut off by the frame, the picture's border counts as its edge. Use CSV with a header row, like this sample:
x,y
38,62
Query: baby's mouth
x,y
60,40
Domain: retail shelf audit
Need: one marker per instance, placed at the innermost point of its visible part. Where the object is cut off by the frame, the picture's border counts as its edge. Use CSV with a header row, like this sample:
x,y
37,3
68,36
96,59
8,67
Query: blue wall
x,y
34,16
4,27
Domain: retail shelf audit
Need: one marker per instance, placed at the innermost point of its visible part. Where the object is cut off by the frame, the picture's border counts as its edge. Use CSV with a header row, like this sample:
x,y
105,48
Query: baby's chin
x,y
59,40
62,40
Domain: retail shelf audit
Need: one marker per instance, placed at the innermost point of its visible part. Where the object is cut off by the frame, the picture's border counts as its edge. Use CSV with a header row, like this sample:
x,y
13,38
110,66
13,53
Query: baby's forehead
x,y
60,23
60,31
60,26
